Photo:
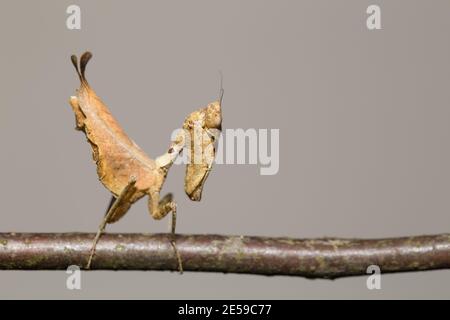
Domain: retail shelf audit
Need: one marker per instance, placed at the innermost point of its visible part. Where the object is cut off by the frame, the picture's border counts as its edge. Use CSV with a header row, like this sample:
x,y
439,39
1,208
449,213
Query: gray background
x,y
363,118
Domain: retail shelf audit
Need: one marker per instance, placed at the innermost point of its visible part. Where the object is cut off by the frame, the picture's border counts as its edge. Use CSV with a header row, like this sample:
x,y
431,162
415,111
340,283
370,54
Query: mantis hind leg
x,y
159,208
117,209
111,202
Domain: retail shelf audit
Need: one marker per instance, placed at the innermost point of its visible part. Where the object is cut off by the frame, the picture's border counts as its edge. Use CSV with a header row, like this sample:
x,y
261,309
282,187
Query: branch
x,y
312,258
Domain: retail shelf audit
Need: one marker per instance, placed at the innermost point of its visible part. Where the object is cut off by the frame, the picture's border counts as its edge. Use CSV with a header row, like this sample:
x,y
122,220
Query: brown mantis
x,y
125,169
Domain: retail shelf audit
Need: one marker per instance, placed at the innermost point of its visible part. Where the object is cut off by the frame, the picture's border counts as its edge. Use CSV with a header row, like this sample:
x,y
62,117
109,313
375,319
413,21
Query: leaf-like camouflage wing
x,y
117,156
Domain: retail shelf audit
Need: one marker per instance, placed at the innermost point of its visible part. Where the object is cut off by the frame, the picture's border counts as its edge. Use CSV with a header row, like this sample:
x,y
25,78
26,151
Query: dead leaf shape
x,y
200,165
120,160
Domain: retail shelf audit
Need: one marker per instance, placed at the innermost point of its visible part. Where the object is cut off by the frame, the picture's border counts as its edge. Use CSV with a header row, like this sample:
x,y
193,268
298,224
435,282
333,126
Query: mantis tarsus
x,y
126,170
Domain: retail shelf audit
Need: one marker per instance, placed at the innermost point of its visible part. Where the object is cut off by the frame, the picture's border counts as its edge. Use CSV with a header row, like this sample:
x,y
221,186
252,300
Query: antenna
x,y
221,91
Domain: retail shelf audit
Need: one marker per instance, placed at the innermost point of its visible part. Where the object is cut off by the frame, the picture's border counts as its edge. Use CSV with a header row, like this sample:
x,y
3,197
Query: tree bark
x,y
312,258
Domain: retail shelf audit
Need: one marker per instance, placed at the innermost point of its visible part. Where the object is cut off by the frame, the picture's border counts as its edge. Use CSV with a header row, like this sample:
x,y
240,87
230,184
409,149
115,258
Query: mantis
x,y
127,171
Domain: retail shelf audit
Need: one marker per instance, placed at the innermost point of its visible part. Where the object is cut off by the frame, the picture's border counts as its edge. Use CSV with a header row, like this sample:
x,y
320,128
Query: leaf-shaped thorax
x,y
118,158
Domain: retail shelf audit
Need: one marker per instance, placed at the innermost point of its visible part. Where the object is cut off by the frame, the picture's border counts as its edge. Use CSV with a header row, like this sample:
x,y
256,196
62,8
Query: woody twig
x,y
328,258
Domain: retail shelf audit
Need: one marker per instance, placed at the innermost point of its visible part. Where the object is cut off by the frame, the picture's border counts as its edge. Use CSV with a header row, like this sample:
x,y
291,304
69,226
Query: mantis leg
x,y
117,210
159,209
111,202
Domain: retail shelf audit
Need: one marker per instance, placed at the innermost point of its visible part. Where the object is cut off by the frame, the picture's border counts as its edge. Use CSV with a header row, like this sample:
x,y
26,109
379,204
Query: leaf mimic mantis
x,y
126,170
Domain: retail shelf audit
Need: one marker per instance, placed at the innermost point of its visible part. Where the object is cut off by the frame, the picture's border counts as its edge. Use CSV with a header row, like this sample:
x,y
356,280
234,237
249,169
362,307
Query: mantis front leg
x,y
159,209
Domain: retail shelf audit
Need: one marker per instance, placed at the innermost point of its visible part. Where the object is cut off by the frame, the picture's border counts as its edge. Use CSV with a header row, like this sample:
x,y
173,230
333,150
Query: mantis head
x,y
204,136
213,116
